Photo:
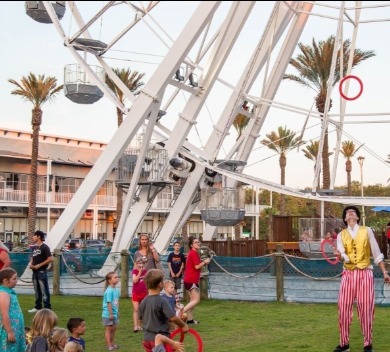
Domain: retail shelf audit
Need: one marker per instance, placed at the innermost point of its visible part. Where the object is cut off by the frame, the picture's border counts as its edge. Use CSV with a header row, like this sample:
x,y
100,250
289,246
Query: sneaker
x,y
110,348
341,348
115,346
368,348
34,310
193,322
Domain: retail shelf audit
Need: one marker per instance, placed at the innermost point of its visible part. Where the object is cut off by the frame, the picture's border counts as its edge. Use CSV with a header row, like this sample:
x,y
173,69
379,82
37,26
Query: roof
x,y
59,149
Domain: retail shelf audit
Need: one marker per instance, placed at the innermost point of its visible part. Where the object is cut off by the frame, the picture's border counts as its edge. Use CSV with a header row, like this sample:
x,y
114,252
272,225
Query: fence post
x,y
229,247
279,272
56,271
204,287
125,273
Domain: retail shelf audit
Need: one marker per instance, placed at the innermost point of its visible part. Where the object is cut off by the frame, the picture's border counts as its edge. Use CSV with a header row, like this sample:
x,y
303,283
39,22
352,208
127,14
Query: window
x,y
12,181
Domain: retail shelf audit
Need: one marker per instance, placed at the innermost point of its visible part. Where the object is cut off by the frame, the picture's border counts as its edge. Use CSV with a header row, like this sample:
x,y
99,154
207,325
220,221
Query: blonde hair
x,y
57,335
168,282
108,278
73,347
43,323
148,250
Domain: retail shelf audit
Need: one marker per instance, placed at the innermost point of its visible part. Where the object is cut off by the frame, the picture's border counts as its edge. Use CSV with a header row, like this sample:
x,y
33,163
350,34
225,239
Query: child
x,y
180,309
110,315
11,316
76,327
58,340
139,291
44,321
155,311
174,302
176,261
160,340
73,347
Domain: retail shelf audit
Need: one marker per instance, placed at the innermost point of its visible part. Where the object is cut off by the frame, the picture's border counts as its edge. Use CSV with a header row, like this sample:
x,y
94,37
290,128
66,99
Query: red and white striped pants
x,y
356,285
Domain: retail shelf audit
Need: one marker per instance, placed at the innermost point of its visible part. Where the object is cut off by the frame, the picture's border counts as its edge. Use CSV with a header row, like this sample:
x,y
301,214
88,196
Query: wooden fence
x,y
238,248
257,248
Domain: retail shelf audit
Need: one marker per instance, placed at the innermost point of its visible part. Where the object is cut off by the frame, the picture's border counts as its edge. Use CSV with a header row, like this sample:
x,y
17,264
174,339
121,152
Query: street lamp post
x,y
48,194
361,160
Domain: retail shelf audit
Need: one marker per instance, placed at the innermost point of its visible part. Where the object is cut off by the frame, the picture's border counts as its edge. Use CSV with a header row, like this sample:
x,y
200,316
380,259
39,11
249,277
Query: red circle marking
x,y
182,334
330,261
341,87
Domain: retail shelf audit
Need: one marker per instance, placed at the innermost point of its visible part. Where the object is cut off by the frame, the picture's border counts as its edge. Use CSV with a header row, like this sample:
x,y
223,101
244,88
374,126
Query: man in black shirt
x,y
40,260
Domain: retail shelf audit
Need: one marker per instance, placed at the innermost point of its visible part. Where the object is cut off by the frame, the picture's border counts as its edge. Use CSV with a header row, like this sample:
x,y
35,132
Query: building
x,y
62,166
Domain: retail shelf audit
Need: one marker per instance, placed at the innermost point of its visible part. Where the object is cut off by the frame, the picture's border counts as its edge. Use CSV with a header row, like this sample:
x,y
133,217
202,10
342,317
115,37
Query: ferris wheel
x,y
189,79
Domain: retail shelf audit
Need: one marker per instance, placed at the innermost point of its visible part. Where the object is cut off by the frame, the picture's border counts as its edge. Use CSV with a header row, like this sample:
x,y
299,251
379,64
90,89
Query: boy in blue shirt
x,y
76,327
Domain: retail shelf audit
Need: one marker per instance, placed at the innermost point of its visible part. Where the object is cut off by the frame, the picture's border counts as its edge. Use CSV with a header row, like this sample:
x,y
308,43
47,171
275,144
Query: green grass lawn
x,y
230,325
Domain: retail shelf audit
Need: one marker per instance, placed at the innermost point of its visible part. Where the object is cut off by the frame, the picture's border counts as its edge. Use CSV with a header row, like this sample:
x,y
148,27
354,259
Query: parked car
x,y
134,245
92,257
72,243
21,258
95,243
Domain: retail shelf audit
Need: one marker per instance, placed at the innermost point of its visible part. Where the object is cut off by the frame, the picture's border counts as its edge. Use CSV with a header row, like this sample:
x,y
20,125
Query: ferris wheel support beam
x,y
253,129
338,45
147,100
182,208
343,102
229,31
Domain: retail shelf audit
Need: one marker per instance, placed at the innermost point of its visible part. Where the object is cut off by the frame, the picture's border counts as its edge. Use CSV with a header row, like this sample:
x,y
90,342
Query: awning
x,y
386,209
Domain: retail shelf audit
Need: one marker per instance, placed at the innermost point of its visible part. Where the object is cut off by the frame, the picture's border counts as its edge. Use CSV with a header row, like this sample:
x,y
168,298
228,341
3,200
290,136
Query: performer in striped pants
x,y
355,246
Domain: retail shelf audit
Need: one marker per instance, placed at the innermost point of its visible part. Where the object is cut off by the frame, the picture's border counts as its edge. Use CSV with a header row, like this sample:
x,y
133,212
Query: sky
x,y
29,46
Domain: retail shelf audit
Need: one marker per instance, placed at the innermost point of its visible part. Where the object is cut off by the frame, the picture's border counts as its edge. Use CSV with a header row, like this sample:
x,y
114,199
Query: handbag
x,y
159,266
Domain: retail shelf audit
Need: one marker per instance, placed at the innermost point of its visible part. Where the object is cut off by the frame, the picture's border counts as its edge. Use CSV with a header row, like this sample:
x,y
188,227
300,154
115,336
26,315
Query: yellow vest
x,y
358,250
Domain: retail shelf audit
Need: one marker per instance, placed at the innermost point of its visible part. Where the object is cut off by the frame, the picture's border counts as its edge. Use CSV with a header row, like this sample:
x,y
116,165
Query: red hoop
x,y
341,87
182,334
330,261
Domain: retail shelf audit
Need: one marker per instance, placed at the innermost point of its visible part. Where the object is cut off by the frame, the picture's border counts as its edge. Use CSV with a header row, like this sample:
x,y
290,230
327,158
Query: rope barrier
x,y
71,272
309,276
247,276
26,282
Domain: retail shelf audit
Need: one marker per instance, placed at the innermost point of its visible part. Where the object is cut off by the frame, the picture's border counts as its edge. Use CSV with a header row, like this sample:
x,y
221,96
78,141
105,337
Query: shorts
x,y
109,322
159,348
138,298
191,286
148,345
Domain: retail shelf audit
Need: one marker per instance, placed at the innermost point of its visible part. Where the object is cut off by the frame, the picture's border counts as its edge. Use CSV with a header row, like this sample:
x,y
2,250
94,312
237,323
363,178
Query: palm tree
x,y
37,90
282,142
313,65
311,152
348,150
132,81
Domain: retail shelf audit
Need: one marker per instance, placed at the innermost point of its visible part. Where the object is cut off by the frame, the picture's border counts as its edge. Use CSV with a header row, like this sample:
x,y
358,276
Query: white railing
x,y
62,199
56,198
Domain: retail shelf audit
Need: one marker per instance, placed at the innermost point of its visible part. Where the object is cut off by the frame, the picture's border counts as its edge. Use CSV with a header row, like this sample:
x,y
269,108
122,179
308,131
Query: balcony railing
x,y
56,198
62,199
